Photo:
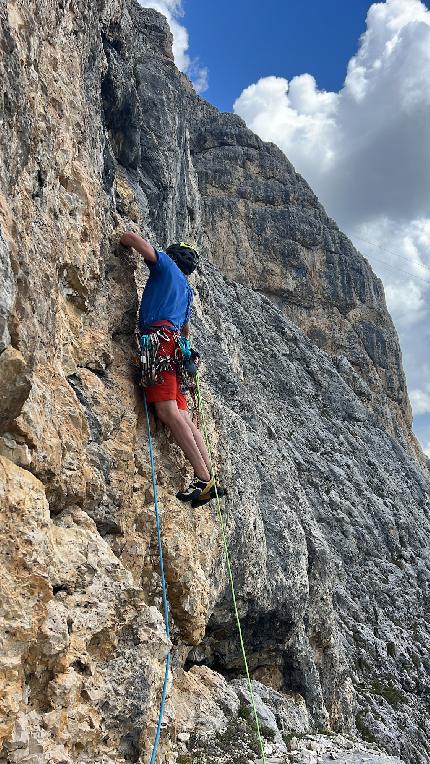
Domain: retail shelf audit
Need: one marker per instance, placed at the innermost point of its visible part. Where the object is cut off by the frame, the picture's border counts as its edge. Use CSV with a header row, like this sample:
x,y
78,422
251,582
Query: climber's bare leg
x,y
198,437
180,428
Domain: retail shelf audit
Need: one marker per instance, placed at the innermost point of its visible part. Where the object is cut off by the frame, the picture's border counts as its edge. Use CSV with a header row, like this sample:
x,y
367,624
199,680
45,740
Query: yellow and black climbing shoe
x,y
208,494
196,488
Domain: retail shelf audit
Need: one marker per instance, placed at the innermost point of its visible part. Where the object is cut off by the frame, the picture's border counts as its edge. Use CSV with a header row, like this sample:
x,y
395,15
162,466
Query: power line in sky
x,y
400,270
388,252
390,264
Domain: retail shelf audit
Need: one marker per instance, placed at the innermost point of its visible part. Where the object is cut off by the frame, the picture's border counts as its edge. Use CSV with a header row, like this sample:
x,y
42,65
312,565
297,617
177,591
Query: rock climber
x,y
164,324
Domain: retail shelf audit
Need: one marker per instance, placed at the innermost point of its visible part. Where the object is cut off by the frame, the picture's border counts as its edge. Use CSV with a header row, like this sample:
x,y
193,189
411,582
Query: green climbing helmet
x,y
184,255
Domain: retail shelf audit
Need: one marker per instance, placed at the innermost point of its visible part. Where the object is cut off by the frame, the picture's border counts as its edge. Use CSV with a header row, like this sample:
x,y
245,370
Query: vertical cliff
x,y
328,493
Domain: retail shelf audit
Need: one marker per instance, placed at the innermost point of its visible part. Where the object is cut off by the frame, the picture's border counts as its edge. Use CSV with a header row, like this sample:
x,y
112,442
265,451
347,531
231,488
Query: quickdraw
x,y
152,362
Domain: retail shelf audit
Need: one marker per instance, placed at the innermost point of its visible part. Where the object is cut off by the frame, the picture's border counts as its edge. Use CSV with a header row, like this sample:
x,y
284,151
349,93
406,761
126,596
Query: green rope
x,y
229,568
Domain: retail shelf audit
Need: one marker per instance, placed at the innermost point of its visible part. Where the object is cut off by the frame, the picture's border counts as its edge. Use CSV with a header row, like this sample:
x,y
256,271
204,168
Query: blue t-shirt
x,y
167,295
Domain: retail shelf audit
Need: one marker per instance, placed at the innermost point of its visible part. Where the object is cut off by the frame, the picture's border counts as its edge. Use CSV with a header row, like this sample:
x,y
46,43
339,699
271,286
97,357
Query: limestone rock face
x,y
79,644
266,229
327,512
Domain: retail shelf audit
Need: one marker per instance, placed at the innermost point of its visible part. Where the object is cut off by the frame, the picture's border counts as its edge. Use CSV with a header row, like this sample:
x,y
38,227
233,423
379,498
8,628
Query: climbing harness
x,y
153,361
229,568
163,587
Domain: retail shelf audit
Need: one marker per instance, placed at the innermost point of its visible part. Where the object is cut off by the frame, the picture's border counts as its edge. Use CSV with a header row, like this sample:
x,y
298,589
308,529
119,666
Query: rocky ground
x,y
328,506
283,721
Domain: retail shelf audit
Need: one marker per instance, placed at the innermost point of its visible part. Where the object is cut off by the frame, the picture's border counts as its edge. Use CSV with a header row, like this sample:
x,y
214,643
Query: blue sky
x,y
343,87
240,42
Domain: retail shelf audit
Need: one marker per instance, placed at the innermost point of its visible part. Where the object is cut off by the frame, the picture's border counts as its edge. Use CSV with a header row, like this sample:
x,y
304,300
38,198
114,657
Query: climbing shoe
x,y
195,489
207,495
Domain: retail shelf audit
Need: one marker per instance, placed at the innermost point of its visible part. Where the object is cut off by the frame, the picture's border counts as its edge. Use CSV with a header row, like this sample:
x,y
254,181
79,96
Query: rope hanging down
x,y
230,571
163,580
163,586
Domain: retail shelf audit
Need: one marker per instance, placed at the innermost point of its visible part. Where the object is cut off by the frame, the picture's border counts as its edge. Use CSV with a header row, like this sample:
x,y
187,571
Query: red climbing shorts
x,y
169,388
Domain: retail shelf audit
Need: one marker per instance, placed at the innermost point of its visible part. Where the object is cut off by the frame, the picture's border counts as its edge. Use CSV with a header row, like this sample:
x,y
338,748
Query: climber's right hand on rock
x,y
128,238
131,239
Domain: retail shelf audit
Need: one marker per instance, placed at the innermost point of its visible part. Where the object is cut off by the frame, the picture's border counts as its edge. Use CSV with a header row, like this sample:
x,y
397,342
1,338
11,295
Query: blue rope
x,y
161,712
163,586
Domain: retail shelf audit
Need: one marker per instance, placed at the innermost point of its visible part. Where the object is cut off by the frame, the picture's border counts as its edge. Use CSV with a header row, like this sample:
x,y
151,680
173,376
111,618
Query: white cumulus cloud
x,y
420,395
365,150
400,252
421,401
173,11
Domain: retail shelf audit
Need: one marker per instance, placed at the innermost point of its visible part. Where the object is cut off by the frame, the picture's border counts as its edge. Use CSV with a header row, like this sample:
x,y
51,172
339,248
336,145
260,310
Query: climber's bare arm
x,y
130,239
185,331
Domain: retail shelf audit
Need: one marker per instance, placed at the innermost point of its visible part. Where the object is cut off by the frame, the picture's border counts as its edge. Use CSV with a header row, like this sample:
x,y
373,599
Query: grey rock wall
x,y
328,522
266,229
